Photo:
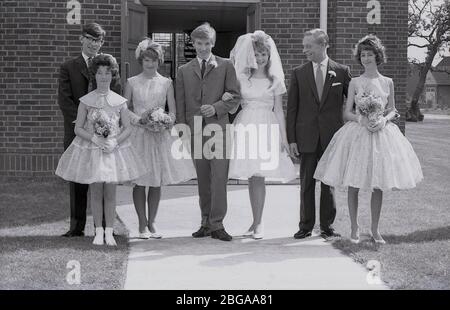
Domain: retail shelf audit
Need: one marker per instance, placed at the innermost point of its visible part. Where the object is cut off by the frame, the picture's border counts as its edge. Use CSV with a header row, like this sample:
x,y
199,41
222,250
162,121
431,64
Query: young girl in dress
x,y
148,90
369,152
100,154
261,79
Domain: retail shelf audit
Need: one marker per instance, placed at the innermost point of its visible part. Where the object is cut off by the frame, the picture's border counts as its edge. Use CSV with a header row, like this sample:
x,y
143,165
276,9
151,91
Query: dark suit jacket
x,y
192,91
309,119
72,85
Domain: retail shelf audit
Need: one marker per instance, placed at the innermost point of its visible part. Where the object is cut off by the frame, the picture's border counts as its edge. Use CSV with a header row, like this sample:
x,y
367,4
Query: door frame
x,y
253,17
253,7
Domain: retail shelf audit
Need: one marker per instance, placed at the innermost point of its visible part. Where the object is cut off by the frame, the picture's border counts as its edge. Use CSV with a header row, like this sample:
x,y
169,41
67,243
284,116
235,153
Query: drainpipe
x,y
323,14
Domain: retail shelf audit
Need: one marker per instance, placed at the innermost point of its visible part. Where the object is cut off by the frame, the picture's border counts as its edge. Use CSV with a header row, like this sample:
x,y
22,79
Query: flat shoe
x,y
155,235
355,241
145,235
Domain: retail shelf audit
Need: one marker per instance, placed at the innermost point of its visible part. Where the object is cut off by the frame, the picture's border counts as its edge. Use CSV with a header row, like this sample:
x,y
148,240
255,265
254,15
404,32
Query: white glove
x,y
100,142
111,145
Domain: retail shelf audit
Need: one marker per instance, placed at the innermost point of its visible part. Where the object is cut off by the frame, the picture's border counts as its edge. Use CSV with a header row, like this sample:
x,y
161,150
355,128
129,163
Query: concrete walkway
x,y
436,116
277,262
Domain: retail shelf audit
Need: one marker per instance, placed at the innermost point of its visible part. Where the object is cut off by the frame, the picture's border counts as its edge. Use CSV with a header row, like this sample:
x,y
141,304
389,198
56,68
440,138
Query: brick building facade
x,y
37,36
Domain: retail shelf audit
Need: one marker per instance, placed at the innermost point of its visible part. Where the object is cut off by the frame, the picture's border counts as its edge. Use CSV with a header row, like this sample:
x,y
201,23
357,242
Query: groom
x,y
314,114
200,85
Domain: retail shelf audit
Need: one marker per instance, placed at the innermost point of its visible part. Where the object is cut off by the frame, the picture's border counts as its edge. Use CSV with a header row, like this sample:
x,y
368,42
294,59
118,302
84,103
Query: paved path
x,y
277,262
436,116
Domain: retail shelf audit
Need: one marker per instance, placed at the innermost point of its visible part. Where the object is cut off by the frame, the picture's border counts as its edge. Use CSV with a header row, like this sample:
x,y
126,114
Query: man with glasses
x,y
74,83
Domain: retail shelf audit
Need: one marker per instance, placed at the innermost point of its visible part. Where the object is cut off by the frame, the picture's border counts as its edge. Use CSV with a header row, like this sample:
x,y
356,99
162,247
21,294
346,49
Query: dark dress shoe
x,y
202,232
329,233
73,233
221,234
301,234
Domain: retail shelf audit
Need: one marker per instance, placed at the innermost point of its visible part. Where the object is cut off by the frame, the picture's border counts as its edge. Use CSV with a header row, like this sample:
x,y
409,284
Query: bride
x,y
260,74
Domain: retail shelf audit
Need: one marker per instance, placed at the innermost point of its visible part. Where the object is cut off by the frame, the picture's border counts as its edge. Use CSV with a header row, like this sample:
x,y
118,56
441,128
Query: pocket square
x,y
336,84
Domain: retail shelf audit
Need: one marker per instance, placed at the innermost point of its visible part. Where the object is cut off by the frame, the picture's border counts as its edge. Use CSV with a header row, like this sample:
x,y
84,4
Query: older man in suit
x,y
200,85
73,84
314,114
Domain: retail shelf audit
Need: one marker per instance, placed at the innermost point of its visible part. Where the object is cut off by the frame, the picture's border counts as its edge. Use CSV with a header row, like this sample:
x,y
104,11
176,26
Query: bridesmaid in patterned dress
x,y
147,90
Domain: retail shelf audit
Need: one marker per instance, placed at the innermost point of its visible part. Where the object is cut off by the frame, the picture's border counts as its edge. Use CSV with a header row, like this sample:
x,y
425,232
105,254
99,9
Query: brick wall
x,y
351,25
35,39
287,20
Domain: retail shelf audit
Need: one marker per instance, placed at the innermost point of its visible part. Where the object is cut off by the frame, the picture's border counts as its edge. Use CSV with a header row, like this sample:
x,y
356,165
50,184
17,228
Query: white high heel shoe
x,y
249,232
109,238
144,235
99,236
258,232
154,234
378,241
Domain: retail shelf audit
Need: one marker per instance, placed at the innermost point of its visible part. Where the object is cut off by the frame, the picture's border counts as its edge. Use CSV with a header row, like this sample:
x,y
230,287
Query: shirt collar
x,y
85,57
207,60
323,62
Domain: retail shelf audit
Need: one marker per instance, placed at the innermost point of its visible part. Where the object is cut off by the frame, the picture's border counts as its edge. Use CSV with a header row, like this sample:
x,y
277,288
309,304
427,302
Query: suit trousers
x,y
308,164
78,192
212,178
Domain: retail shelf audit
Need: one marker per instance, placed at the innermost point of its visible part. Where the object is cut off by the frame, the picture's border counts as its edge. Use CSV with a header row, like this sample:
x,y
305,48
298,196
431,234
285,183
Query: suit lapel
x,y
212,63
328,80
196,67
82,66
312,81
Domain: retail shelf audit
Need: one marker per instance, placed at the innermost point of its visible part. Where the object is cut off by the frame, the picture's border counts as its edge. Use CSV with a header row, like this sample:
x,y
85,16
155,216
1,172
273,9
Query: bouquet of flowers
x,y
102,123
156,119
370,106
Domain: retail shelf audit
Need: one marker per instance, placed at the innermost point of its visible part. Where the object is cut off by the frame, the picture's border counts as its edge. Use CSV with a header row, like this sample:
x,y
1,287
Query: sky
x,y
420,53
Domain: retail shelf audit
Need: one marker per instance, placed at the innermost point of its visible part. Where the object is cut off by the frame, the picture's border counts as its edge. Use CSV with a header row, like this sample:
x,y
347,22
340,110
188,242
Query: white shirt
x,y
200,60
324,66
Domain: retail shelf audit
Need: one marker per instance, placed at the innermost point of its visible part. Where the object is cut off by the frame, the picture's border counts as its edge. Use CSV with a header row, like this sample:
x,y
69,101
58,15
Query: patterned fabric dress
x,y
257,141
85,162
359,158
155,148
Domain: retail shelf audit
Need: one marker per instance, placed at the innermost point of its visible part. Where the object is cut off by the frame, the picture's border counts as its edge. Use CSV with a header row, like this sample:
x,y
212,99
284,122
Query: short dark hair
x,y
370,43
94,30
106,60
154,51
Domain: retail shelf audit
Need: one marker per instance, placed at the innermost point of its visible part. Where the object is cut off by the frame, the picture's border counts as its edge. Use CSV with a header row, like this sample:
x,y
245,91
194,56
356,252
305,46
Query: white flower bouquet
x,y
102,123
370,106
156,119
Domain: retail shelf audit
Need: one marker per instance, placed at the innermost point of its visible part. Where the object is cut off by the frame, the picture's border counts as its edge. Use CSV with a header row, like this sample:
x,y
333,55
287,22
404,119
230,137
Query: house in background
x,y
411,85
437,85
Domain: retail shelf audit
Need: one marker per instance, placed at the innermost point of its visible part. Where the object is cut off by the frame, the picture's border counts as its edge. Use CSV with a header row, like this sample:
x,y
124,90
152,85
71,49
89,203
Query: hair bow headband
x,y
142,46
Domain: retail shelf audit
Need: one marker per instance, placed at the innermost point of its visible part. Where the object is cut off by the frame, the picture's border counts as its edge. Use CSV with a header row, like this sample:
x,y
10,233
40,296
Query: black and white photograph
x,y
224,150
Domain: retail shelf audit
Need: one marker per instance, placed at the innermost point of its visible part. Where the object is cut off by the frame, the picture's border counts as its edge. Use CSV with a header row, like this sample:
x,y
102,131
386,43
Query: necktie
x,y
319,80
89,62
90,85
203,67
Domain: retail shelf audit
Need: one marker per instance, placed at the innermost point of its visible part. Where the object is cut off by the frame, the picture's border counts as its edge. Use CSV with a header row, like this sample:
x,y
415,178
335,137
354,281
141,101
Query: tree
x,y
429,22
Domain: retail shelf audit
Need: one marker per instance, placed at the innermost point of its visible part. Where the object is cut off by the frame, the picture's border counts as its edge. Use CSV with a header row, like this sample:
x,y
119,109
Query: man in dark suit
x,y
314,114
73,84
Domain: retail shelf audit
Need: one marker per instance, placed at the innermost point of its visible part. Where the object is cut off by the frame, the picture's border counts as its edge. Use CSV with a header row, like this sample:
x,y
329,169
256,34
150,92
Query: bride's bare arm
x,y
348,111
278,109
171,100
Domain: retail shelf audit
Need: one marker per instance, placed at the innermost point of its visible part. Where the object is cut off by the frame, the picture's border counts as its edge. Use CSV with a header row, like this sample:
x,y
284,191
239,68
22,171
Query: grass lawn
x,y
33,215
415,223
